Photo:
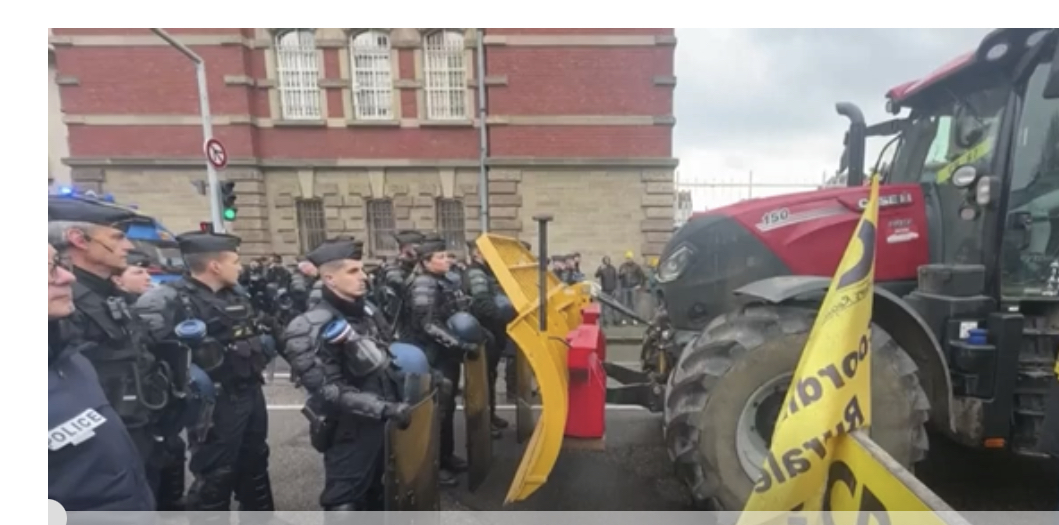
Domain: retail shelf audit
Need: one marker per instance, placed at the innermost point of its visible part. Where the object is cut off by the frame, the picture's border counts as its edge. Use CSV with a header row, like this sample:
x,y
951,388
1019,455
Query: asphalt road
x,y
633,472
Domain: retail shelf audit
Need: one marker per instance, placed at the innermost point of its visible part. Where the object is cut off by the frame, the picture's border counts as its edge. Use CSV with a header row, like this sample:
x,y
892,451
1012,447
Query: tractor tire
x,y
708,399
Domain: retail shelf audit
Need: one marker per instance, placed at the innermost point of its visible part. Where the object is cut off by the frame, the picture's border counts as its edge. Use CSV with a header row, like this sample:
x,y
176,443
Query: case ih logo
x,y
888,200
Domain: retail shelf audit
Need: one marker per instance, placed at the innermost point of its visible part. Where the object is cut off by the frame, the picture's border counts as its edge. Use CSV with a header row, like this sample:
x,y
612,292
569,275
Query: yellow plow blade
x,y
517,272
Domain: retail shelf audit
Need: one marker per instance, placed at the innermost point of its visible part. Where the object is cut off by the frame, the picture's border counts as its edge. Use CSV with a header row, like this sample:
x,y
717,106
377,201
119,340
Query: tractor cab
x,y
982,140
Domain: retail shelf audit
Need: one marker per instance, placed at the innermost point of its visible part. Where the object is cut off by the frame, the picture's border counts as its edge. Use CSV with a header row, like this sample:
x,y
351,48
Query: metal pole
x,y
207,124
542,251
483,145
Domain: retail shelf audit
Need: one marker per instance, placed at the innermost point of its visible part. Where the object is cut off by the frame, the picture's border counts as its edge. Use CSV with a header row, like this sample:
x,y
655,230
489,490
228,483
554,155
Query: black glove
x,y
470,350
399,413
441,382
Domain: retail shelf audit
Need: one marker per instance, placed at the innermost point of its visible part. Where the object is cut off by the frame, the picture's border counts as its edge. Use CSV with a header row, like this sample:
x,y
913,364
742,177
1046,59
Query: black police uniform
x,y
354,389
301,286
134,383
431,305
315,295
169,457
396,278
93,463
481,286
229,449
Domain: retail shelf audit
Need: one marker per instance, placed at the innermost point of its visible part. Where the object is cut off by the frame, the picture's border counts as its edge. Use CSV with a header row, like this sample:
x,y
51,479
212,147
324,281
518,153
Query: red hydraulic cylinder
x,y
586,417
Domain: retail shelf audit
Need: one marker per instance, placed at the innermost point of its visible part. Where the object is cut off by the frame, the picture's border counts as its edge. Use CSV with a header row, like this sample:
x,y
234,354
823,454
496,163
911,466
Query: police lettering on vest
x,y
76,430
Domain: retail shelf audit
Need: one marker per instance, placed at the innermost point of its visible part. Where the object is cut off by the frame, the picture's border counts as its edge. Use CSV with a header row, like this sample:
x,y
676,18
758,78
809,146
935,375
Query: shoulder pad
x,y
424,280
318,316
308,323
157,298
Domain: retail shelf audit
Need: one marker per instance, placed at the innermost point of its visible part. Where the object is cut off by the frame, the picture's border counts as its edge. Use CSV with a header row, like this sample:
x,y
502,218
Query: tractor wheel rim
x,y
756,423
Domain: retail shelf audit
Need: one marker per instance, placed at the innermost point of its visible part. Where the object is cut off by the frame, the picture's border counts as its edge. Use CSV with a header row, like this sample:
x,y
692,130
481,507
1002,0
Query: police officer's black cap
x,y
195,242
406,237
432,243
336,249
77,209
138,258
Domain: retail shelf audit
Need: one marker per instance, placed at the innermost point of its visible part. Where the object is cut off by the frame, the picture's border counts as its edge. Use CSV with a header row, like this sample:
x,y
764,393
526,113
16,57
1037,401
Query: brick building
x,y
362,132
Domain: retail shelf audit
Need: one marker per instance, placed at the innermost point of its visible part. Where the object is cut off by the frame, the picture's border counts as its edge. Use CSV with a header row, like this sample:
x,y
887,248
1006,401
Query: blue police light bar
x,y
66,190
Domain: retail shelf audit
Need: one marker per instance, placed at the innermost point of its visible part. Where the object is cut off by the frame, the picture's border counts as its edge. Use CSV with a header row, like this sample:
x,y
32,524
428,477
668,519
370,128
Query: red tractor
x,y
966,307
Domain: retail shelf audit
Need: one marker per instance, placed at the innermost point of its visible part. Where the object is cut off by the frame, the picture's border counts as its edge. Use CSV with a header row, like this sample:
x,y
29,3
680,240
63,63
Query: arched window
x,y
446,75
372,75
298,74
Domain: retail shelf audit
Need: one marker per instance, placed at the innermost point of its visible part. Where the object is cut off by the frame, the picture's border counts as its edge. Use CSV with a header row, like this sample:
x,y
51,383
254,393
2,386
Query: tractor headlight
x,y
671,268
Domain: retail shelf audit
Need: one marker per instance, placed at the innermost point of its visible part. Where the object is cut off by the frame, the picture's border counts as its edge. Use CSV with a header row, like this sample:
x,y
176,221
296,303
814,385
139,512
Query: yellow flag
x,y
830,394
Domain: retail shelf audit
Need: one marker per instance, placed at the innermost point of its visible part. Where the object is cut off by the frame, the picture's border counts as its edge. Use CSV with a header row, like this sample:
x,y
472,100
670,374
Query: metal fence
x,y
708,192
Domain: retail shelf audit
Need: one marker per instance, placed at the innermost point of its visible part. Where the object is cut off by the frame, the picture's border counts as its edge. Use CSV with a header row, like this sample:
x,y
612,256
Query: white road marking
x,y
616,408
627,364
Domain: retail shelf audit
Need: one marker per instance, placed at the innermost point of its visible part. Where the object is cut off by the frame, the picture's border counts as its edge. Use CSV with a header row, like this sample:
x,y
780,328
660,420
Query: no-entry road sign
x,y
216,155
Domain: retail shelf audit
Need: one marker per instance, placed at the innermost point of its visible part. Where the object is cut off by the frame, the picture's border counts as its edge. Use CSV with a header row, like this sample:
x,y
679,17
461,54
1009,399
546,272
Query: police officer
x,y
134,280
170,451
338,352
302,280
93,463
203,310
481,286
137,387
396,277
431,305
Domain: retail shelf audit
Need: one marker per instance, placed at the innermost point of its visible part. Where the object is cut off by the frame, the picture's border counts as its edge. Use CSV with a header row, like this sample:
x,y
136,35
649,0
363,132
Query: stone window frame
x,y
466,66
455,244
380,243
306,233
272,73
345,61
470,37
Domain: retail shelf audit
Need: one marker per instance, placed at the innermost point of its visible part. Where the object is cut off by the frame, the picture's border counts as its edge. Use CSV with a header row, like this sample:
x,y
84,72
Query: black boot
x,y
454,464
170,494
255,492
210,496
499,422
341,514
447,478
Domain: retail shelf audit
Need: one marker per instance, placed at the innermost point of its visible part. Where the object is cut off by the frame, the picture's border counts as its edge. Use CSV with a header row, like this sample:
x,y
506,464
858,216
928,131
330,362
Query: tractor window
x,y
1031,237
959,130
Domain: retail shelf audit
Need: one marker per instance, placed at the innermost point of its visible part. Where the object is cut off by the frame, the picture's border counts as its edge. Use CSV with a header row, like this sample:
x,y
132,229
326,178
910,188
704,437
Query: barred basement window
x,y
446,75
298,74
451,224
381,227
372,75
312,227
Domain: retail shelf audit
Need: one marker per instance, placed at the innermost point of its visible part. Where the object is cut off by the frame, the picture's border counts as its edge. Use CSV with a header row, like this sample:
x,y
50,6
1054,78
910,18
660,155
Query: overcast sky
x,y
762,100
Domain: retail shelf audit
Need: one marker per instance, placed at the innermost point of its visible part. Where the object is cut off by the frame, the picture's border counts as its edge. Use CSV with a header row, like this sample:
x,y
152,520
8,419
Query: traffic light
x,y
228,209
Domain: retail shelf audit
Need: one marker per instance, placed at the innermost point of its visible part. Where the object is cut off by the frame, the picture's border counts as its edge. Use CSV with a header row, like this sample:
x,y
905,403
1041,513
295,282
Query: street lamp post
x,y
207,125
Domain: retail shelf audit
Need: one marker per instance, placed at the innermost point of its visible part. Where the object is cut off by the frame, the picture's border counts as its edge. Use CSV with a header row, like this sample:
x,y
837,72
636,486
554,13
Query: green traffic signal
x,y
229,214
